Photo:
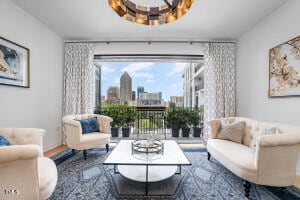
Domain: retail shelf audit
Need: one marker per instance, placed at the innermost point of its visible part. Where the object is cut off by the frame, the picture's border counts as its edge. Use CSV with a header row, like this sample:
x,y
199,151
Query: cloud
x,y
140,70
106,69
116,80
150,81
179,67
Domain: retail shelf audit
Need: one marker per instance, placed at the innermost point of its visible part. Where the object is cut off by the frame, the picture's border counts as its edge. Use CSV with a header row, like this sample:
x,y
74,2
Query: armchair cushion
x,y
89,125
3,141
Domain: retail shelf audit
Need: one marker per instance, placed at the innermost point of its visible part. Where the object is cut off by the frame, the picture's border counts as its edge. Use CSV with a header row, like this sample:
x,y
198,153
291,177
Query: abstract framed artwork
x,y
284,69
14,64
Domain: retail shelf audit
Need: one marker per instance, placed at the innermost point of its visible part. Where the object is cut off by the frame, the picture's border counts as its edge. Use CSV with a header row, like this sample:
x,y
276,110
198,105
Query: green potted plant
x,y
195,116
128,115
172,121
113,112
185,122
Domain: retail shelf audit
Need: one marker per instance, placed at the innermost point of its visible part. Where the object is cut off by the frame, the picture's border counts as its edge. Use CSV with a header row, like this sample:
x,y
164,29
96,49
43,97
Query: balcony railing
x,y
150,120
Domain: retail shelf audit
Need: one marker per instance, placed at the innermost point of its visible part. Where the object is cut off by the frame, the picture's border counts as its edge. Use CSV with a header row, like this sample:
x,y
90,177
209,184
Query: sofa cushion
x,y
233,132
4,141
89,125
92,140
236,157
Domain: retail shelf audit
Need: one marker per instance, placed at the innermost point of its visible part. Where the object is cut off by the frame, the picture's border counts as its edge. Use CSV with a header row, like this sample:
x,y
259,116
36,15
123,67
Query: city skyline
x,y
165,77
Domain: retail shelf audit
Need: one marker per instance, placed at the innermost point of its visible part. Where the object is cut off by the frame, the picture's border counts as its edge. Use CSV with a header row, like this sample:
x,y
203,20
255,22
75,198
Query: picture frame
x,y
284,69
14,64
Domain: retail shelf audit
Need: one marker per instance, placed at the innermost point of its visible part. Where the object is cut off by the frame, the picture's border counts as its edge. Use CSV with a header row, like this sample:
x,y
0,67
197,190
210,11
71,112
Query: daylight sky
x,y
165,77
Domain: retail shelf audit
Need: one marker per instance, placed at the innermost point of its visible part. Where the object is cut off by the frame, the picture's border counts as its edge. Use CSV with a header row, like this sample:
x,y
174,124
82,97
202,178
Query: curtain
x,y
79,79
219,82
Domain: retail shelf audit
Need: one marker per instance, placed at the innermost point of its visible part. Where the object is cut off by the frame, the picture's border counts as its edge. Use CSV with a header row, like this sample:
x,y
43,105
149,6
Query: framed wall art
x,y
284,69
14,64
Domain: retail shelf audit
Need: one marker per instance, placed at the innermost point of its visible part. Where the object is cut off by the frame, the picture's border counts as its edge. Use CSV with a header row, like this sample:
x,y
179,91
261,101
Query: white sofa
x,y
76,140
23,167
273,161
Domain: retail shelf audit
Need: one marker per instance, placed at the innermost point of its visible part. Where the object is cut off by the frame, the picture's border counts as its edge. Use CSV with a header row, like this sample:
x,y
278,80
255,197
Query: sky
x,y
165,77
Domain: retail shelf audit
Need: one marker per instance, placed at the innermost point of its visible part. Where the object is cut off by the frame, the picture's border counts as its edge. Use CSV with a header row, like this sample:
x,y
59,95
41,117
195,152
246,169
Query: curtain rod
x,y
149,41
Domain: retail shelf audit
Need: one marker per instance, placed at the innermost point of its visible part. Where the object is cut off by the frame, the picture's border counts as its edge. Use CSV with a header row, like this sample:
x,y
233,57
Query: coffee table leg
x,y
146,180
115,169
179,168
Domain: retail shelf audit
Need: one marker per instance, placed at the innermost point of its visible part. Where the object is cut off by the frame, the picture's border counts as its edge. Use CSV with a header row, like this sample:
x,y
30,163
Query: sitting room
x,y
149,99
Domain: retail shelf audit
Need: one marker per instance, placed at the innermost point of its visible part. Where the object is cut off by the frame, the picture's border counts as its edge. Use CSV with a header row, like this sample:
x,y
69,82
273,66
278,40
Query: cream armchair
x,y
76,140
24,172
273,161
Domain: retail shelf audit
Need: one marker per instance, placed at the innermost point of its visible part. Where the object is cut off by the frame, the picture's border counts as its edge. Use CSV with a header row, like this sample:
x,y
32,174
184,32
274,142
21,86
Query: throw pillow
x,y
233,132
89,125
4,141
266,131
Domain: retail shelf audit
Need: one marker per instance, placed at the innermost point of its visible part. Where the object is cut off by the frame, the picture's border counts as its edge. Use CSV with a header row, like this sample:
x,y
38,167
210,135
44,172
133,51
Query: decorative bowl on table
x,y
147,146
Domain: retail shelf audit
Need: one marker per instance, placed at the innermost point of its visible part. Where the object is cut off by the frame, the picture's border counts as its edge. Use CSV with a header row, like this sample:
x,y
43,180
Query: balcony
x,y
154,122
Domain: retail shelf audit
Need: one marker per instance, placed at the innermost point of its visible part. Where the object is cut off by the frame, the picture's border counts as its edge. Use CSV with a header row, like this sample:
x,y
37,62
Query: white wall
x,y
41,105
252,67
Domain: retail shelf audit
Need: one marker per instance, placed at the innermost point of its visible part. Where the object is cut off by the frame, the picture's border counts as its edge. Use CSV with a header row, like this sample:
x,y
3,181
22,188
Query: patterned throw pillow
x,y
89,125
3,141
233,132
266,131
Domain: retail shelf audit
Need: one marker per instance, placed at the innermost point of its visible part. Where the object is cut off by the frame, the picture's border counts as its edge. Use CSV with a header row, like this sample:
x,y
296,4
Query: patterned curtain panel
x,y
79,79
219,82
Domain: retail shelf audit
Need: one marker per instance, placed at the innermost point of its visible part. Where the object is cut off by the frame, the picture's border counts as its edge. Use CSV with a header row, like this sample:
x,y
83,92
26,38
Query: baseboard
x,y
49,147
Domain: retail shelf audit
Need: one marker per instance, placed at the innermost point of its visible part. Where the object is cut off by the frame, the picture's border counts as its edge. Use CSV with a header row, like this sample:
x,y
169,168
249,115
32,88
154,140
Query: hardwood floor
x,y
61,148
54,151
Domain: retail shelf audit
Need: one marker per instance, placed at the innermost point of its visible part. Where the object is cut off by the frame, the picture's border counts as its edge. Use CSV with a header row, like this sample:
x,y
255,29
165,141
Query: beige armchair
x,y
24,172
76,140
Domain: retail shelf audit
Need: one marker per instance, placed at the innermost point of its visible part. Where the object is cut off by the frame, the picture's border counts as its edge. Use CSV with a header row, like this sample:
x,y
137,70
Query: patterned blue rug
x,y
89,179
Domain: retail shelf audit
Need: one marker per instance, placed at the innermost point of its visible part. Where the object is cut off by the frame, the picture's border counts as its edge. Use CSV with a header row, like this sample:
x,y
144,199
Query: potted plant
x,y
113,112
172,121
185,122
128,115
195,122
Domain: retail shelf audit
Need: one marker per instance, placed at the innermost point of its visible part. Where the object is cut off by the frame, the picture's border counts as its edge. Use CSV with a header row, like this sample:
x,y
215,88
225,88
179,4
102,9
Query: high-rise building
x,y
193,85
150,99
133,96
113,95
178,100
97,86
125,88
140,90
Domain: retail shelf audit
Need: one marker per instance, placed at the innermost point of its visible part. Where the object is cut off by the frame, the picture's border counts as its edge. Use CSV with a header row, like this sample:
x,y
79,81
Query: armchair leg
x,y
84,154
107,147
208,156
247,187
282,189
73,151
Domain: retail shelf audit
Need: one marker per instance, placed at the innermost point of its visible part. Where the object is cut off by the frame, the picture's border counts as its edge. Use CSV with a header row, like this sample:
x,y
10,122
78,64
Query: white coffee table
x,y
147,169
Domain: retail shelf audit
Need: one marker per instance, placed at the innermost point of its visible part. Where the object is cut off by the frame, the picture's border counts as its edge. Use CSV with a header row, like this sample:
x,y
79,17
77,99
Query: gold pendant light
x,y
170,11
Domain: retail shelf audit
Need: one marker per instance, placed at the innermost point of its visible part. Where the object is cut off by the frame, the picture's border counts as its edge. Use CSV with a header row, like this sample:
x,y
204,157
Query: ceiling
x,y
95,20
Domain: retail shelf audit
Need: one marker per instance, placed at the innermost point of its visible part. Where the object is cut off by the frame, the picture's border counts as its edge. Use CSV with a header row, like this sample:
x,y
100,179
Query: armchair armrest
x,y
18,152
71,122
276,159
21,136
215,126
104,123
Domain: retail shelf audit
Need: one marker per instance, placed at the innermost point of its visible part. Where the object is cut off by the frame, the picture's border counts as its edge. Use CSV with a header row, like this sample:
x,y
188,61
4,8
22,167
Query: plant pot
x,y
197,131
175,132
125,132
185,132
114,132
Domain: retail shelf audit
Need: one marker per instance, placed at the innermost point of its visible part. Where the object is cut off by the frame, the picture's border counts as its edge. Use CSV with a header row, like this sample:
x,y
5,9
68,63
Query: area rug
x,y
89,179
